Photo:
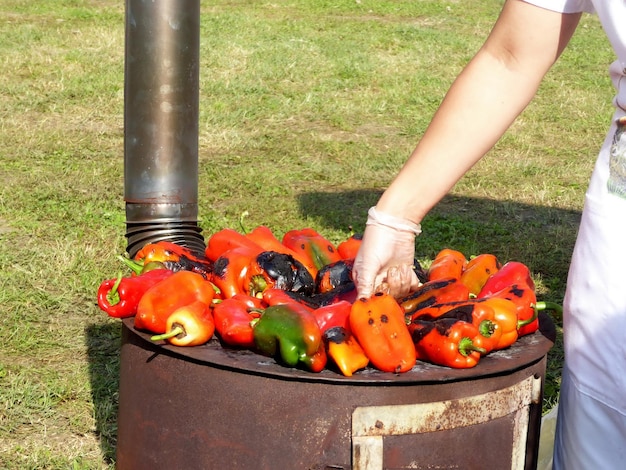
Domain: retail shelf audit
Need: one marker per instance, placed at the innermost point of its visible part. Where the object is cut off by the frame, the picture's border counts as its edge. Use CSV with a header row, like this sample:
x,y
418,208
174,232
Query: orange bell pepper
x,y
478,270
190,325
378,324
447,263
345,351
349,248
505,316
178,290
310,244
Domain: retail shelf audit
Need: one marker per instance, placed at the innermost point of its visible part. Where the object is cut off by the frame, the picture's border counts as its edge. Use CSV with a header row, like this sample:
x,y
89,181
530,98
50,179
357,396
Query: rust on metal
x,y
213,408
371,424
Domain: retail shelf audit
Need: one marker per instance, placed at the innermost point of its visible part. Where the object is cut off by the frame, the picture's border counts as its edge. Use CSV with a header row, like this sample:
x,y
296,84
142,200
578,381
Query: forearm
x,y
482,103
479,107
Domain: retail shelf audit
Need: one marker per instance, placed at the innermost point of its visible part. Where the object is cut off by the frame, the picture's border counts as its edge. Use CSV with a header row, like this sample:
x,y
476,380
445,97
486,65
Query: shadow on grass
x,y
103,343
541,237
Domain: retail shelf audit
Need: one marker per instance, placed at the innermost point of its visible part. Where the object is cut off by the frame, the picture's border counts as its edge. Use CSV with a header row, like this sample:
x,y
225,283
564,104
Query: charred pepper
x,y
447,342
333,275
230,270
266,239
512,272
434,292
175,258
272,269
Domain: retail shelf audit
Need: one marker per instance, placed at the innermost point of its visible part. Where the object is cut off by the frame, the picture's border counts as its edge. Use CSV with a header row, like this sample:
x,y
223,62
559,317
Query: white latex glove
x,y
385,260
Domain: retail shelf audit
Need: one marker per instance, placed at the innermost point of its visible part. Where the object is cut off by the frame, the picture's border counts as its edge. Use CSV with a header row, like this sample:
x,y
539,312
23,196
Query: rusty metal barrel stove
x,y
210,407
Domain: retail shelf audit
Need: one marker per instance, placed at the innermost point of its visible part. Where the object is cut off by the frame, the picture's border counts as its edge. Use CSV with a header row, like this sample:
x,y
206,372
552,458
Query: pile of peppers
x,y
293,299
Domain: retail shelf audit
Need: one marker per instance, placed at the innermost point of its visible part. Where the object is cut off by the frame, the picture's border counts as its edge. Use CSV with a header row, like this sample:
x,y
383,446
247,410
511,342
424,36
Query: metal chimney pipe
x,y
161,89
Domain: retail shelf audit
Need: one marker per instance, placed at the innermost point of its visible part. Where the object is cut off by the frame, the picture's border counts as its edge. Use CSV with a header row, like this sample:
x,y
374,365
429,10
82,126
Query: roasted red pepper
x,y
447,342
161,300
226,240
512,272
344,350
434,292
334,315
289,333
378,324
175,258
345,292
313,246
119,297
447,263
231,269
190,325
276,296
233,319
478,270
349,248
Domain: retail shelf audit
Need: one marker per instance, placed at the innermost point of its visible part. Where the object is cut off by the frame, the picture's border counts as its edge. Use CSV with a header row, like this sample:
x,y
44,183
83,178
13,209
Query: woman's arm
x,y
481,104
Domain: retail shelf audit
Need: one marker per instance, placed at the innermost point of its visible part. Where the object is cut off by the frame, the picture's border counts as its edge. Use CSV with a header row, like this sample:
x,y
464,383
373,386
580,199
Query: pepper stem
x,y
466,346
113,296
177,330
487,328
544,305
134,265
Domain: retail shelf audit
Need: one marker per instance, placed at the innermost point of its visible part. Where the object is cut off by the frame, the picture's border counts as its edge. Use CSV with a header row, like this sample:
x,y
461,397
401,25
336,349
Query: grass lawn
x,y
307,110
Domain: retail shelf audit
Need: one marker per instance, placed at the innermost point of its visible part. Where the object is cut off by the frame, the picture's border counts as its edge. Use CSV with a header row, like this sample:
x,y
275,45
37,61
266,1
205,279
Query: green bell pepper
x,y
289,333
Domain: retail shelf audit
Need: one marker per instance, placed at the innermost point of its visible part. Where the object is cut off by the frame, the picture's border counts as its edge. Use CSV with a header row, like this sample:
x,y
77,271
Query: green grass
x,y
307,111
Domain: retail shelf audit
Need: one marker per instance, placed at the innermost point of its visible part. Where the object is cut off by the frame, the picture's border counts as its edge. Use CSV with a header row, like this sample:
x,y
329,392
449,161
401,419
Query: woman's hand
x,y
385,259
